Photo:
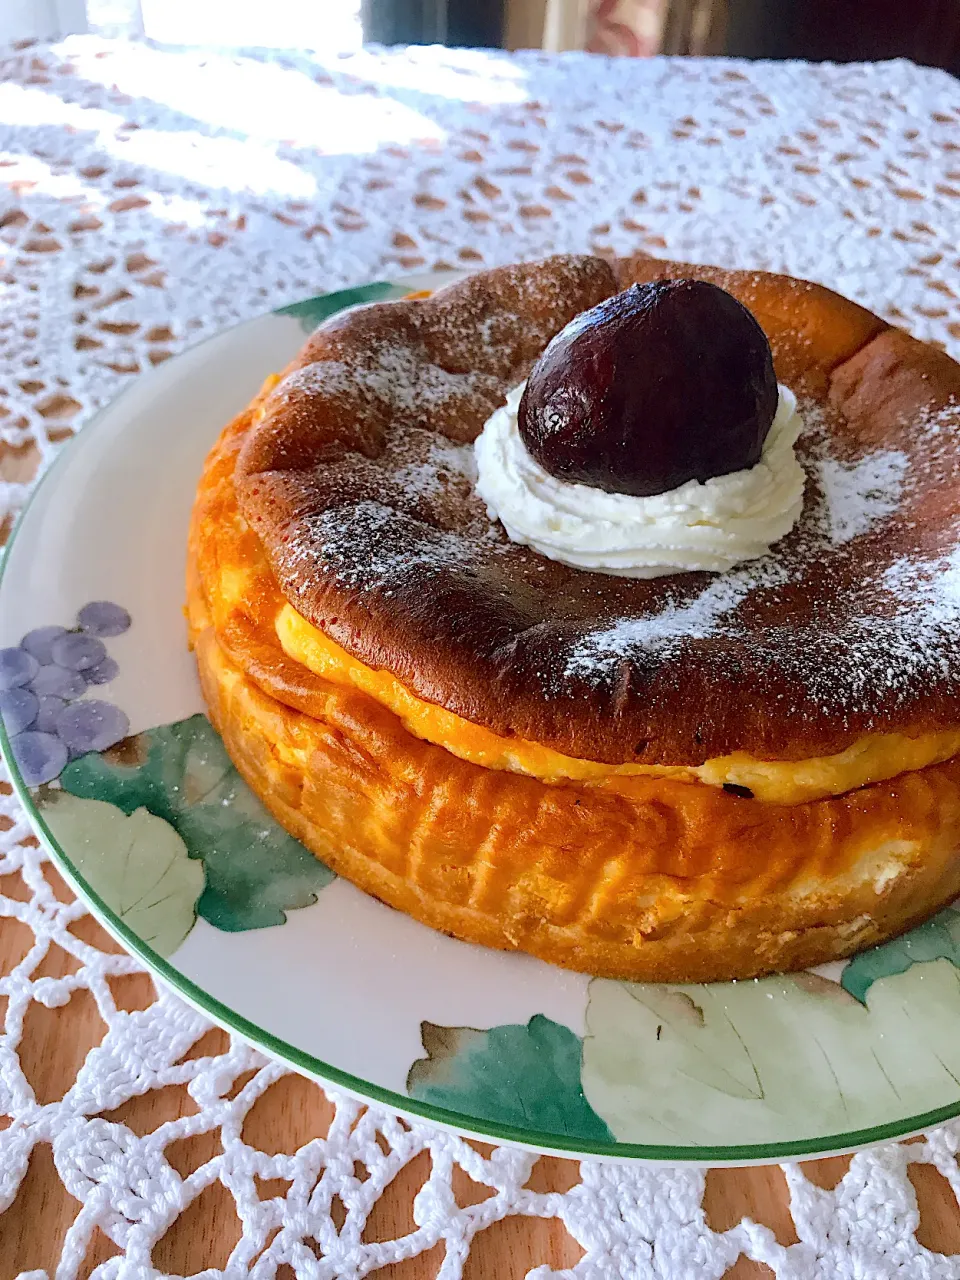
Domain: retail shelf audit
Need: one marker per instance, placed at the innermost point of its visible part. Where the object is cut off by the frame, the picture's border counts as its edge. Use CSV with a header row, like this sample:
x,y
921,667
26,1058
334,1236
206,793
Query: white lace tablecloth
x,y
149,198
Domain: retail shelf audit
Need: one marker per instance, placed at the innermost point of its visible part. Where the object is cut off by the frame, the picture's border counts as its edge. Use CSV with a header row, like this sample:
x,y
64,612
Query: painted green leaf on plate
x,y
311,312
936,939
526,1076
772,1060
136,863
255,871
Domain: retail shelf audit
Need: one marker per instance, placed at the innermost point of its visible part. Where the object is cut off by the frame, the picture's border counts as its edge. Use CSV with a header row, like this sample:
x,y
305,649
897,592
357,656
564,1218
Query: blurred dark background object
x,y
926,31
471,23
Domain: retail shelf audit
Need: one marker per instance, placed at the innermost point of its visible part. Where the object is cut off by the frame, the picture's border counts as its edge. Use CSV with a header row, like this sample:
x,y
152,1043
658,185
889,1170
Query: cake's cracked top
x,y
359,481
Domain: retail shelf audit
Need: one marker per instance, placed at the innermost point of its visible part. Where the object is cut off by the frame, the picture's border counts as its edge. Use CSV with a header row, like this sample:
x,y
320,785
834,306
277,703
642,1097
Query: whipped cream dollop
x,y
711,525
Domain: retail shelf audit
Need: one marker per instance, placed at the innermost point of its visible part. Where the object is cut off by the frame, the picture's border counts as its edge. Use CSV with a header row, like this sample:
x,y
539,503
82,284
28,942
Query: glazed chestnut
x,y
663,383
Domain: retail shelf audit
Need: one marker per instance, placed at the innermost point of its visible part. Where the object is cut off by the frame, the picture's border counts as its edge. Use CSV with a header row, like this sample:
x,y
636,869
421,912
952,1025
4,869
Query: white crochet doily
x,y
147,199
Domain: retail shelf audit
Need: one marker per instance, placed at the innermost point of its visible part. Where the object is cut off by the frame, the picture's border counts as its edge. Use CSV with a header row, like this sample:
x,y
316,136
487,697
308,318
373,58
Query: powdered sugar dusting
x,y
425,473
859,494
927,595
899,638
394,547
930,588
396,376
675,624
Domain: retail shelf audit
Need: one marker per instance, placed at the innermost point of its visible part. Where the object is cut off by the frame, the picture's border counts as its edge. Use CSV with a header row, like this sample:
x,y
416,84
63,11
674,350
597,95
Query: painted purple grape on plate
x,y
39,642
59,681
78,651
103,672
91,725
17,667
48,708
19,708
40,757
103,618
43,683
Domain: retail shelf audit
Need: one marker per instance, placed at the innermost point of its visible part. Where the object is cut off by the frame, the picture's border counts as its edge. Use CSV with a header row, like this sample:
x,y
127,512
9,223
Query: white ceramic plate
x,y
178,859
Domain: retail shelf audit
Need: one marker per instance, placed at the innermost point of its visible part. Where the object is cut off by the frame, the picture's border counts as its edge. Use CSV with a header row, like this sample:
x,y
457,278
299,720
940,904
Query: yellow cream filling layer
x,y
872,758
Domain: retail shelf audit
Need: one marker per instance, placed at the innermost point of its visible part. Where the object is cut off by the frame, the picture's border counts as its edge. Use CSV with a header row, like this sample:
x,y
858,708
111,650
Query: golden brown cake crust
x,y
358,485
677,882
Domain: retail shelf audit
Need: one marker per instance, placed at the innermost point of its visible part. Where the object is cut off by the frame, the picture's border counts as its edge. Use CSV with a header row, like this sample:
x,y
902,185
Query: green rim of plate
x,y
316,309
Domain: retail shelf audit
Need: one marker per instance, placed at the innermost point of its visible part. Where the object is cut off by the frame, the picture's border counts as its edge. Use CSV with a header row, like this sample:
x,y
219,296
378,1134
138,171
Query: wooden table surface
x,y
293,1111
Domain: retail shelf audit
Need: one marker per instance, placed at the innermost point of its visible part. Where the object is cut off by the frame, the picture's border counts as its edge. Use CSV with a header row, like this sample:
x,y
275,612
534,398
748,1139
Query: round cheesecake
x,y
693,776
